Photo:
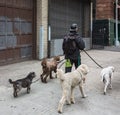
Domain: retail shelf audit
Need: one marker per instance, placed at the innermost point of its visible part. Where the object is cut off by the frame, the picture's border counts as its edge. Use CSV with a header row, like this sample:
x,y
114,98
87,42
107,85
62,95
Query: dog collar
x,y
80,73
83,79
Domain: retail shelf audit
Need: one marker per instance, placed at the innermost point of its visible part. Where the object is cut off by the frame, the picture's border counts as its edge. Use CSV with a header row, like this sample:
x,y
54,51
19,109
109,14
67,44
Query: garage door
x,y
62,13
16,33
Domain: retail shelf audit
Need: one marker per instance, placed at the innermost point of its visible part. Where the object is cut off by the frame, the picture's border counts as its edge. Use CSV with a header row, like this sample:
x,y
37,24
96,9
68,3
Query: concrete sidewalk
x,y
43,98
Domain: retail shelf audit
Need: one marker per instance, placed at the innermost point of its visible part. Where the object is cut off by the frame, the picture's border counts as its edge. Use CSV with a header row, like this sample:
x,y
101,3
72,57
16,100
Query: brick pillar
x,y
42,20
105,9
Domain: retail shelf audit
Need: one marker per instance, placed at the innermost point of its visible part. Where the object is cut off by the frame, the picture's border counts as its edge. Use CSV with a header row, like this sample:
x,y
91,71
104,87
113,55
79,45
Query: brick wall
x,y
104,9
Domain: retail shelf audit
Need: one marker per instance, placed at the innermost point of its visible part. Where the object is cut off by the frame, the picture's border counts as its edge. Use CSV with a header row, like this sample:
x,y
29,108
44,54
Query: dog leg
x,y
68,102
55,75
55,72
105,88
28,89
110,85
15,93
45,79
72,96
82,91
41,76
51,75
62,101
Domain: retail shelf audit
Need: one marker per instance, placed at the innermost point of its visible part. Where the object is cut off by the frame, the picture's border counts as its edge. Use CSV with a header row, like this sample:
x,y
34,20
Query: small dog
x,y
107,76
48,67
69,81
22,83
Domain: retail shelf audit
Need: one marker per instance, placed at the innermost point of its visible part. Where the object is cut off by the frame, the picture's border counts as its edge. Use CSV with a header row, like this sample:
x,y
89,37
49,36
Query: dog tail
x,y
10,81
60,74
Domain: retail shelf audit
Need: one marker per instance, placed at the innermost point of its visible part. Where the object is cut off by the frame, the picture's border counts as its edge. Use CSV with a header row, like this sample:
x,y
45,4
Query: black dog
x,y
22,83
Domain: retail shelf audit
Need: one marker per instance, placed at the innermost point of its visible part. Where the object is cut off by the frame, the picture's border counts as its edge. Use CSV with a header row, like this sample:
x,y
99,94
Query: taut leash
x,y
61,63
35,80
93,59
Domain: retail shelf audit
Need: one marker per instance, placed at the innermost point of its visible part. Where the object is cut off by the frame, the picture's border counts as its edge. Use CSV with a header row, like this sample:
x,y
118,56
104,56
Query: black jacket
x,y
80,45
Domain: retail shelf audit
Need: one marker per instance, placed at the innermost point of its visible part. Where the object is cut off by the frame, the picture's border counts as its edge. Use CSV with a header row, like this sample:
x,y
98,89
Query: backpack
x,y
69,45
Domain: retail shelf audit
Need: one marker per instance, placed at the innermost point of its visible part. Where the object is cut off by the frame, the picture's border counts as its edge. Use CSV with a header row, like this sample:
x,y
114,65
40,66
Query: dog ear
x,y
33,73
60,74
43,63
57,58
84,68
113,69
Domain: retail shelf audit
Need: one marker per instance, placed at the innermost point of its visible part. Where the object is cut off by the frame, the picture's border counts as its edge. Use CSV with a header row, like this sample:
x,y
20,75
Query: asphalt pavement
x,y
43,98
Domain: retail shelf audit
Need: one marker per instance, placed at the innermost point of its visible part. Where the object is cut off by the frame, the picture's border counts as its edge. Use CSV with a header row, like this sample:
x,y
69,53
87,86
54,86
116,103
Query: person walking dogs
x,y
72,44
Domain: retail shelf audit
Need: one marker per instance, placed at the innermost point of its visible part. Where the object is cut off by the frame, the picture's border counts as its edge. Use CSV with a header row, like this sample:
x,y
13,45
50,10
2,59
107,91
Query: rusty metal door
x,y
16,33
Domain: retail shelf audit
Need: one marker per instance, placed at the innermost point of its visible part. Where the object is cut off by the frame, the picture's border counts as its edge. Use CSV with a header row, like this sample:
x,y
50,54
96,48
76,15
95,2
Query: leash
x,y
35,80
93,59
61,63
88,56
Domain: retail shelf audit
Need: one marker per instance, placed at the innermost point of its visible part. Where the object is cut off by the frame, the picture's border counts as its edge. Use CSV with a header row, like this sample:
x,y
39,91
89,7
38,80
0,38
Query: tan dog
x,y
69,81
48,66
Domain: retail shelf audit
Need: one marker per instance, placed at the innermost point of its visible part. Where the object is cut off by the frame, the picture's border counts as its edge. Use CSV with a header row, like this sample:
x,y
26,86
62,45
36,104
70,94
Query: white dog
x,y
106,77
69,81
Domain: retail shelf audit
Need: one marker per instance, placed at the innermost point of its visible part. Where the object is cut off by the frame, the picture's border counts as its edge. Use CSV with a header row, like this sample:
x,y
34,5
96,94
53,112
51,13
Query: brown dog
x,y
48,67
22,83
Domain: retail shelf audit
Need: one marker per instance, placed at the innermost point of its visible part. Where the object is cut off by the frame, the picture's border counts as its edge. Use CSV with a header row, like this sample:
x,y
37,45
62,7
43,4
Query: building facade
x,y
17,30
33,29
104,23
57,16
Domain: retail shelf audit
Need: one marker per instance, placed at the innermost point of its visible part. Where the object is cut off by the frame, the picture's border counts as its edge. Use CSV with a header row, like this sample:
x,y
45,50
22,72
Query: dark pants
x,y
76,62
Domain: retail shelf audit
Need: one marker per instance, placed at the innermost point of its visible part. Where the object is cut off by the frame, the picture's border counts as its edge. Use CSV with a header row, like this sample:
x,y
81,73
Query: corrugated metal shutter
x,y
62,13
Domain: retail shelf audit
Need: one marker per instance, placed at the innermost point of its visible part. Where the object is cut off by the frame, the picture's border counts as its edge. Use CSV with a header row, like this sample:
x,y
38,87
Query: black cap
x,y
73,27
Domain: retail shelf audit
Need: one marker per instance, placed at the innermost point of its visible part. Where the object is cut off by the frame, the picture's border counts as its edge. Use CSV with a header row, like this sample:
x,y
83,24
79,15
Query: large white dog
x,y
107,76
69,81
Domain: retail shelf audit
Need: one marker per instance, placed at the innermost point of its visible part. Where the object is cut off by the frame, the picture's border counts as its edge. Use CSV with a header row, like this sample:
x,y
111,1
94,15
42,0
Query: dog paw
x,y
51,78
110,87
41,79
68,103
104,93
59,111
15,96
56,76
44,81
28,92
73,102
84,96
